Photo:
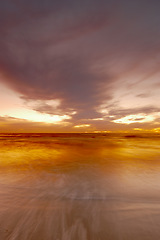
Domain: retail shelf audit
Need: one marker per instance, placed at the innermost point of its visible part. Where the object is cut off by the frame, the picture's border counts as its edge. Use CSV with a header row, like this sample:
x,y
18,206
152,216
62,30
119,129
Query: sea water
x,y
79,187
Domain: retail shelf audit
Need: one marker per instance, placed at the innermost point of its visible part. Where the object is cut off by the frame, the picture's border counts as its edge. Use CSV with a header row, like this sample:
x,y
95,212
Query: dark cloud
x,y
143,95
119,113
74,50
32,58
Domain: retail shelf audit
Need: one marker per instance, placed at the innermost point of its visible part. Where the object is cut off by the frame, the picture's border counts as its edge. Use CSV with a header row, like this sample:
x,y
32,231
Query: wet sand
x,y
77,186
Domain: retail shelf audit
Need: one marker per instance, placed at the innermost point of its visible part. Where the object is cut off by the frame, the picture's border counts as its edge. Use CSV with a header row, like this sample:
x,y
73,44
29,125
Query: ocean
x,y
79,187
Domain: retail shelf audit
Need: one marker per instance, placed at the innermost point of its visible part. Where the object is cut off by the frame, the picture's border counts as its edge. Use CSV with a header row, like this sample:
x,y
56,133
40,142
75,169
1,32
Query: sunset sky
x,y
79,66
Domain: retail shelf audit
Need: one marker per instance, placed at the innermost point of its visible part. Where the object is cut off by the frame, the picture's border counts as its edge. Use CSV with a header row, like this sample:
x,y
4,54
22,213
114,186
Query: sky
x,y
79,66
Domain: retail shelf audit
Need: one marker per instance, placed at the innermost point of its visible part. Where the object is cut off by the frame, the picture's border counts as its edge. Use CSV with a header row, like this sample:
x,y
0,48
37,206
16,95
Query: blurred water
x,y
79,187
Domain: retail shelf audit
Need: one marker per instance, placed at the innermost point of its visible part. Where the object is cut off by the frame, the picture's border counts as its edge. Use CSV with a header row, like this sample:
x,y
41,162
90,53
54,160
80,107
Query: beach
x,y
79,186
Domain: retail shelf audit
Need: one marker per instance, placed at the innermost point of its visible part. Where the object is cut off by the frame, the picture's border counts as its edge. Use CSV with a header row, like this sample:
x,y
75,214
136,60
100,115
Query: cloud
x,y
74,51
143,95
12,124
135,118
82,126
118,113
39,56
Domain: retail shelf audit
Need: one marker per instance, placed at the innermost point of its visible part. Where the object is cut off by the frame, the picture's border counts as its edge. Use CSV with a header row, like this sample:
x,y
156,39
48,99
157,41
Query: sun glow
x,y
14,107
135,118
33,116
82,126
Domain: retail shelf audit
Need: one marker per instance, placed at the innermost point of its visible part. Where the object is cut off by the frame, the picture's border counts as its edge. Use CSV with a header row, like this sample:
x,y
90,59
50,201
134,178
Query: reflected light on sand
x,y
79,186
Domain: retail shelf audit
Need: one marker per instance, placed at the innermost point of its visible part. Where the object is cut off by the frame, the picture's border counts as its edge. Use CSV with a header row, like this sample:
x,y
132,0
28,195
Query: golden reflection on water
x,y
79,187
